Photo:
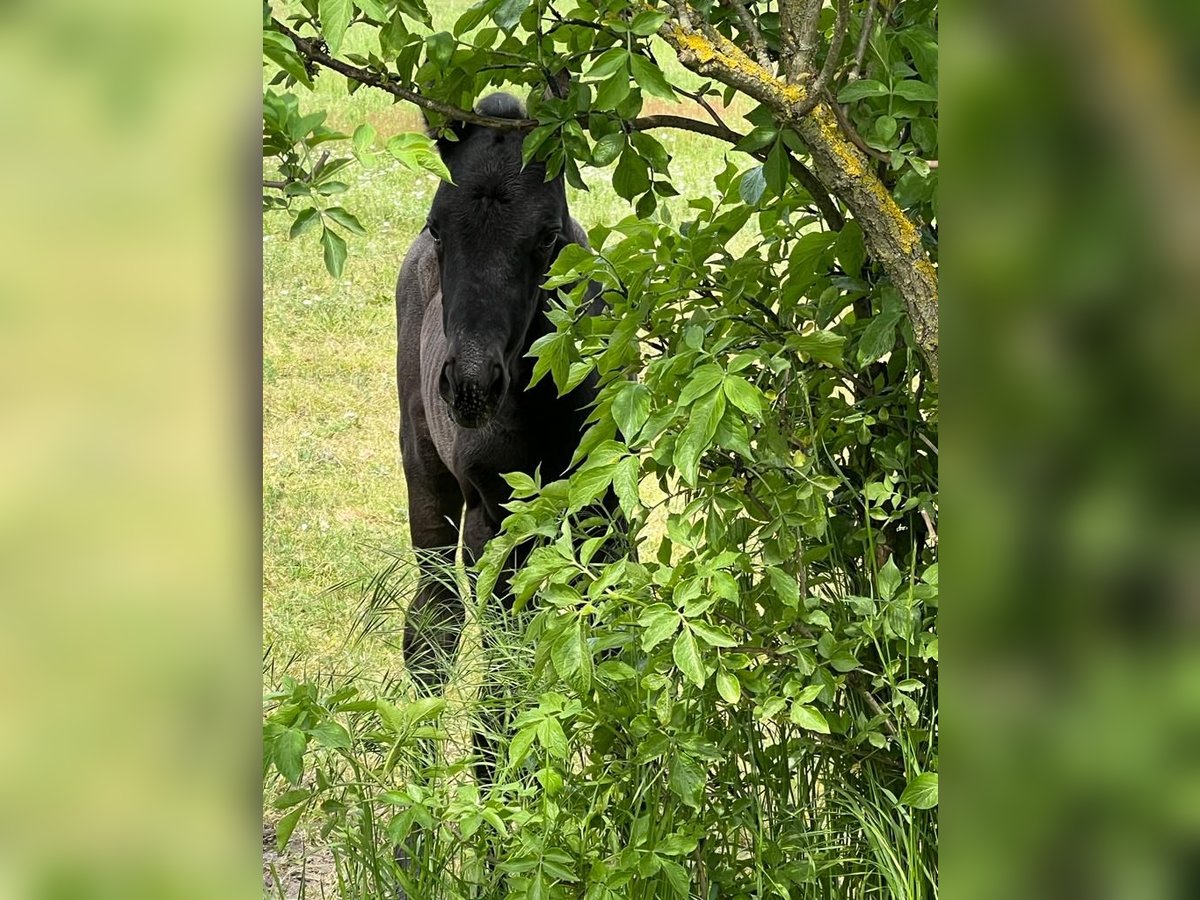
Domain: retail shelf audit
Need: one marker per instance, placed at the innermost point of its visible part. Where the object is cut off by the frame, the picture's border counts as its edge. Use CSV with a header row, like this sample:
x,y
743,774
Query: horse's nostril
x,y
497,384
446,381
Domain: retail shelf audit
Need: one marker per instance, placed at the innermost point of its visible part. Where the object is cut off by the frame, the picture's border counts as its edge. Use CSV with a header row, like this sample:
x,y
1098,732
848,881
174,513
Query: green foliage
x,y
742,701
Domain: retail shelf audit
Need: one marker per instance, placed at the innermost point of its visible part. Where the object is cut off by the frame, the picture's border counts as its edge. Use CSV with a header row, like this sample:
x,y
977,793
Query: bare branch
x,y
852,132
817,88
312,51
829,210
861,50
752,32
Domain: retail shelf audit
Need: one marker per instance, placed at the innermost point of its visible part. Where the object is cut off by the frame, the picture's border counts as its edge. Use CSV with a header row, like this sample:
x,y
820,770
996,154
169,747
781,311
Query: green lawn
x,y
333,489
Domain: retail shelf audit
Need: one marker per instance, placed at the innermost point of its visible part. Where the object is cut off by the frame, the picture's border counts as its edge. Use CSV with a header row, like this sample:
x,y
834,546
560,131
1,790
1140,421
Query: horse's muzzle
x,y
472,393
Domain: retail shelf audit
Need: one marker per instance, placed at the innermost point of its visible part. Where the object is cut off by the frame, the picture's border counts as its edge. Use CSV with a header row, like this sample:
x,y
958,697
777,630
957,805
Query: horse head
x,y
496,230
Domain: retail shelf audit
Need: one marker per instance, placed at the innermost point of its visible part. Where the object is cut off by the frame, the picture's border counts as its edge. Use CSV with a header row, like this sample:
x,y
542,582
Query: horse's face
x,y
497,229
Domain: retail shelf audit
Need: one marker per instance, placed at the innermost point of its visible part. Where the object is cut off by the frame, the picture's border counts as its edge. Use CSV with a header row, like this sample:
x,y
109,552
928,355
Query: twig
x,y
861,50
314,53
755,36
929,524
875,707
852,132
277,185
816,89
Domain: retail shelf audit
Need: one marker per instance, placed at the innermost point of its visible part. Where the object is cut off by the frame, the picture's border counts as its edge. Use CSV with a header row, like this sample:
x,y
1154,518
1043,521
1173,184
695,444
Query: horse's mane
x,y
501,105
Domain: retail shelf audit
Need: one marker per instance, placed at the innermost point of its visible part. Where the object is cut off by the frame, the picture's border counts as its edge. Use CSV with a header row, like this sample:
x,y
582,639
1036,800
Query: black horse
x,y
469,304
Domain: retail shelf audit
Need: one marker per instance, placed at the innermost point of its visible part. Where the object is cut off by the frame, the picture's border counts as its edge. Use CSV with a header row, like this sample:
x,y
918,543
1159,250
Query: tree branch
x,y
798,20
312,51
752,32
817,88
861,50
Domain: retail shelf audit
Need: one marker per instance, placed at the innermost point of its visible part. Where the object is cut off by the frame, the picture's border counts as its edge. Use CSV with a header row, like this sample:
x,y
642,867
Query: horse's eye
x,y
549,240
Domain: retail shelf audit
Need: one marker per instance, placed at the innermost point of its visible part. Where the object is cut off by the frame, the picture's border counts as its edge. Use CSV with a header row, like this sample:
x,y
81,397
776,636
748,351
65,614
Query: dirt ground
x,y
298,871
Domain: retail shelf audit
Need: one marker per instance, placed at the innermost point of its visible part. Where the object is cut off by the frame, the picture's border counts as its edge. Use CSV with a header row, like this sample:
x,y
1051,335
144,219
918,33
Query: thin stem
x,y
861,50
756,39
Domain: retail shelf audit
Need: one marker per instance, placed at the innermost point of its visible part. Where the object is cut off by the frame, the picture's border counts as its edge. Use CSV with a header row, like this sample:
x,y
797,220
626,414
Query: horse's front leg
x,y
495,696
434,620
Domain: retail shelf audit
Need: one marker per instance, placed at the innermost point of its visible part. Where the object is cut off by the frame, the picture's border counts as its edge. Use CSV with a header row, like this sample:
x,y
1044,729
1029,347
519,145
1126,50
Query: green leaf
x,y
551,736
331,735
520,744
587,484
886,128
713,635
364,138
418,151
777,168
610,94
822,346
345,219
687,779
440,47
729,687
889,579
415,9
508,13
697,435
631,177
810,718
921,792
879,336
916,90
659,622
686,654
757,139
607,149
743,395
609,63
335,18
857,90
647,22
785,586
283,831
373,10
677,877
291,798
625,485
752,186
288,754
567,651
305,220
651,78
631,408
335,251
849,249
704,380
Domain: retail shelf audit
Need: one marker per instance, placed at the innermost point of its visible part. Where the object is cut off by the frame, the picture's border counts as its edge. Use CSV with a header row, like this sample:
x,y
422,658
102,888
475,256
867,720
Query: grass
x,y
333,489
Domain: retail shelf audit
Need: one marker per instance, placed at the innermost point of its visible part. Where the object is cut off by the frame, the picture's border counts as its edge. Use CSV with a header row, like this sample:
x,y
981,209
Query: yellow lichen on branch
x,y
890,237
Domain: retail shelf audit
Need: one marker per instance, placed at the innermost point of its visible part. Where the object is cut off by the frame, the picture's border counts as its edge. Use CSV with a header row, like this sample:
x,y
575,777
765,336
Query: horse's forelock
x,y
502,106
